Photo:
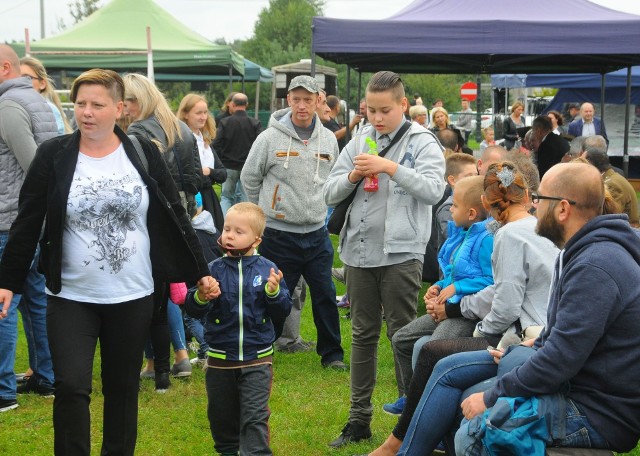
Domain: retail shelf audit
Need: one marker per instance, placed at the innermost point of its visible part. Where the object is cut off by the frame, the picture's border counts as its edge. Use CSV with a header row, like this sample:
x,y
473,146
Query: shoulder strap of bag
x,y
141,155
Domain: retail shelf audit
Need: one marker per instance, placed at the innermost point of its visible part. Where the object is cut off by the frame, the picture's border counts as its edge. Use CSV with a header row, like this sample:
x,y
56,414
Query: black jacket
x,y
234,138
183,160
550,152
176,255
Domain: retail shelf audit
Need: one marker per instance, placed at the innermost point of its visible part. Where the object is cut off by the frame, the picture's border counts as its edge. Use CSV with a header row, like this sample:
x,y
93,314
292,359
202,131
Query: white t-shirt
x,y
206,154
105,245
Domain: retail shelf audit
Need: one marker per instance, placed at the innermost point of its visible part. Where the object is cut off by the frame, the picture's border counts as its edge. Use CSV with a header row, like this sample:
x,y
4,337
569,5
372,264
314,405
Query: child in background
x,y
489,138
205,229
458,166
465,260
240,334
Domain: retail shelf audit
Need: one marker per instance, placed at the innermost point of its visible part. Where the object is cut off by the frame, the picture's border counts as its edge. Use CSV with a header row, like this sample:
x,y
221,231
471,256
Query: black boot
x,y
351,433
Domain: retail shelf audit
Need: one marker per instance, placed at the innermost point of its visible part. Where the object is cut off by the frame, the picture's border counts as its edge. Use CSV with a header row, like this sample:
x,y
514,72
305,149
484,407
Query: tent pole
x,y
257,98
602,94
478,109
313,64
359,89
27,43
243,84
627,105
347,114
150,74
230,78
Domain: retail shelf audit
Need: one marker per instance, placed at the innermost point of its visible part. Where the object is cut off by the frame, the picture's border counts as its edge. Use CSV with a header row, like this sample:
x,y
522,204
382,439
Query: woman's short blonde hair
x,y
436,110
417,110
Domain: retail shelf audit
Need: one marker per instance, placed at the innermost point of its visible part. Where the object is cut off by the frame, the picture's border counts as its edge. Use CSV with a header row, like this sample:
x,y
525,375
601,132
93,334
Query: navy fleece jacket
x,y
592,340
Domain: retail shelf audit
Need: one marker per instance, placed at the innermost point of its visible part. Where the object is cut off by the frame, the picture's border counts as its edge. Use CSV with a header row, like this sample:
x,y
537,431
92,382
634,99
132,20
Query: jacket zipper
x,y
240,316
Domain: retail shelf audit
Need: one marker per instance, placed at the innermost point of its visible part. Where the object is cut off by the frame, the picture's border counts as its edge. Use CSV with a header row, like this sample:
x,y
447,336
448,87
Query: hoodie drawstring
x,y
286,162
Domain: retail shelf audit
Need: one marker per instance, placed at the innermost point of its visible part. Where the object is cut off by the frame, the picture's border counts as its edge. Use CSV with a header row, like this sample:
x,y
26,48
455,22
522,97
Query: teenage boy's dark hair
x,y
384,81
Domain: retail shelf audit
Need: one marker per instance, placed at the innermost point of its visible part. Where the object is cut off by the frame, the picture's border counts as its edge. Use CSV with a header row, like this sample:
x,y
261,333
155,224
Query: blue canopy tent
x,y
465,36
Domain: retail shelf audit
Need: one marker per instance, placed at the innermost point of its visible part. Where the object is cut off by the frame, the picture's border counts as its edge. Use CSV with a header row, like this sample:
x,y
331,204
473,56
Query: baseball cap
x,y
306,82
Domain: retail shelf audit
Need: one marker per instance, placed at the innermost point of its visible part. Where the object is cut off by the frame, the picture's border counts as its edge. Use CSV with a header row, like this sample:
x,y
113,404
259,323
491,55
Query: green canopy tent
x,y
115,37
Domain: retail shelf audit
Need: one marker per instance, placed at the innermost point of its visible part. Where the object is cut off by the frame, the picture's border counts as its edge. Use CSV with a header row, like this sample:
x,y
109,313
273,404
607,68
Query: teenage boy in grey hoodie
x,y
284,174
383,241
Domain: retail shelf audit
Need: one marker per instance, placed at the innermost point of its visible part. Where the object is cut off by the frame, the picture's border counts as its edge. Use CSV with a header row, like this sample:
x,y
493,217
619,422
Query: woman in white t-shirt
x,y
194,112
114,226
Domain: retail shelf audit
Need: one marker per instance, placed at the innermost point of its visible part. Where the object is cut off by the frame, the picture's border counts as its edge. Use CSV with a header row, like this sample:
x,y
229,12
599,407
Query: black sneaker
x,y
32,386
162,382
336,365
351,433
8,404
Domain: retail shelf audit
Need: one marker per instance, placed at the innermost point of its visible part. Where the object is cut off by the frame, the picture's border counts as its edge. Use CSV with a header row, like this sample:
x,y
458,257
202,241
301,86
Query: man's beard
x,y
548,227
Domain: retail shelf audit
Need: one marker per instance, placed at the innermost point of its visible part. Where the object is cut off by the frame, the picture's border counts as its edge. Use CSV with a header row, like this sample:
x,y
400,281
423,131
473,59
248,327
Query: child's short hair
x,y
473,188
456,161
384,81
257,219
486,131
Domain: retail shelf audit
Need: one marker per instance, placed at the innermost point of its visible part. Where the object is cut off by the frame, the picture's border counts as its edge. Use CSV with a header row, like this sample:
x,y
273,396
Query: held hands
x,y
473,405
432,292
206,170
274,281
436,310
5,300
369,164
446,293
208,289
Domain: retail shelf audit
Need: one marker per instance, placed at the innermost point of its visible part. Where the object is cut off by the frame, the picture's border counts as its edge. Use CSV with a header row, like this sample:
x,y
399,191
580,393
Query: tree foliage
x,y
83,8
282,33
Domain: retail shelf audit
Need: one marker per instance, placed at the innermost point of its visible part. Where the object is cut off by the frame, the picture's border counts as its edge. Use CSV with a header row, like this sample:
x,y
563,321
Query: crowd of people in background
x,y
527,243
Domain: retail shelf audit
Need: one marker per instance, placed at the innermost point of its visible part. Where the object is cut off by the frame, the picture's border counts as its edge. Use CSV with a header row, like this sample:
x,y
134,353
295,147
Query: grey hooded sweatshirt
x,y
284,175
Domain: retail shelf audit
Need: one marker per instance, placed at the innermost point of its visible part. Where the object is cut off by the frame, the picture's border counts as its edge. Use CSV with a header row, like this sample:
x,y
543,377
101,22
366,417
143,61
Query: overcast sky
x,y
229,19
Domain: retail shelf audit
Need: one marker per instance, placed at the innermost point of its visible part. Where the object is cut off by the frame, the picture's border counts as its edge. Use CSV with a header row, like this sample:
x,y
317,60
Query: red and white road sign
x,y
469,91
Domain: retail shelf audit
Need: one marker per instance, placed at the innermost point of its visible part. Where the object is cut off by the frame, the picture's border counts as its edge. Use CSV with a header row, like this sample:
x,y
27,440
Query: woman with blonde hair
x,y
440,121
43,84
154,120
194,112
511,125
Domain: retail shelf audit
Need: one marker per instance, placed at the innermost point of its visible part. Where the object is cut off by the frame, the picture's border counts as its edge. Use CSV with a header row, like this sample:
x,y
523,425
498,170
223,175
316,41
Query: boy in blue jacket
x,y
465,260
240,332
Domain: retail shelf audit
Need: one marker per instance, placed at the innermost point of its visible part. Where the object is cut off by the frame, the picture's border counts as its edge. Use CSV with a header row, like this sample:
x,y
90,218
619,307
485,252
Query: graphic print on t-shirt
x,y
105,208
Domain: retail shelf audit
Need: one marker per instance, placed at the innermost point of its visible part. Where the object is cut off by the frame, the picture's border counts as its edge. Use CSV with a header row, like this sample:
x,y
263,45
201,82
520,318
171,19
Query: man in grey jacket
x,y
26,120
284,174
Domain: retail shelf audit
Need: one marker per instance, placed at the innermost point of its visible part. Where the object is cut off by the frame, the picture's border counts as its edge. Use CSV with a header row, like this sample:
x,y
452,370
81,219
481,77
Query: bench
x,y
577,452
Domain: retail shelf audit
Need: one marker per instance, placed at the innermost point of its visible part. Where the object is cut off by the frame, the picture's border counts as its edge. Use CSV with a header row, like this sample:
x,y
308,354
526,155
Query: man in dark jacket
x,y
587,360
551,147
235,136
26,120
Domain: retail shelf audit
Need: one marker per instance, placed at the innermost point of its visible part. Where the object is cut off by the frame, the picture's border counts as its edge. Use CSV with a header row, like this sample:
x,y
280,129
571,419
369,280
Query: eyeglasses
x,y
535,199
33,78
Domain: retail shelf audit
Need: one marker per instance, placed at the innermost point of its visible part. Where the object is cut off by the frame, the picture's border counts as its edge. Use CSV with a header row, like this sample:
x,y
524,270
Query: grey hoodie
x,y
416,185
284,175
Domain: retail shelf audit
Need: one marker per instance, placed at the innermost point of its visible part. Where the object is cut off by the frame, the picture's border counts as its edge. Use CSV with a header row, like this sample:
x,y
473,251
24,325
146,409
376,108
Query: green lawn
x,y
309,407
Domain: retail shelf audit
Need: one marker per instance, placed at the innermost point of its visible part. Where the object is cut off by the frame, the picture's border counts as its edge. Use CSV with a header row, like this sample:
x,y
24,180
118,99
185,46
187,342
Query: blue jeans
x,y
438,407
309,255
197,331
574,431
232,191
33,307
176,330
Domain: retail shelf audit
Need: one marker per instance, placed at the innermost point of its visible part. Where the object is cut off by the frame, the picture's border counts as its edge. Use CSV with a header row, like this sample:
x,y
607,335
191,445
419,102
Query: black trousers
x,y
74,328
238,409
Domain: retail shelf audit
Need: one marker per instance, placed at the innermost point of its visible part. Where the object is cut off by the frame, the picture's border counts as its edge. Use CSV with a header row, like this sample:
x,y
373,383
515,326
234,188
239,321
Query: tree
x,y
80,9
83,8
282,33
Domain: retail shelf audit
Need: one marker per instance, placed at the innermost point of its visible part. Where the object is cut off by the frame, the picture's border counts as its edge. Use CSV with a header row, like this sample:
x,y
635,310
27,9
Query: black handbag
x,y
339,214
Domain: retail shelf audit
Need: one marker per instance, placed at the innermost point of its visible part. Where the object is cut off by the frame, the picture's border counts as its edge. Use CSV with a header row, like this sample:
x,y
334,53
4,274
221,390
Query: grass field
x,y
309,407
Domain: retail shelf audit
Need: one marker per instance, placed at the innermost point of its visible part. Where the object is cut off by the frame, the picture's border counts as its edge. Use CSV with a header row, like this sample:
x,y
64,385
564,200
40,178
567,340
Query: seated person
x,y
465,260
518,298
